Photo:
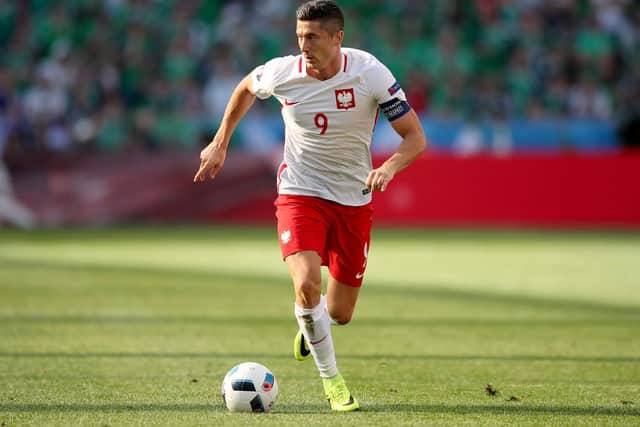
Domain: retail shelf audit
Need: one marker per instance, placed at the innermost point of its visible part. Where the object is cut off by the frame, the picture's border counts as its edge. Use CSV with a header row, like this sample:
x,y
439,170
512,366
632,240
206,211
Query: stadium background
x,y
530,108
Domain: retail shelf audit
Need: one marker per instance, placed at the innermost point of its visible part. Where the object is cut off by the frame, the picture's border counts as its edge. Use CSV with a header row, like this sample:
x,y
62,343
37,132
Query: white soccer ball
x,y
249,387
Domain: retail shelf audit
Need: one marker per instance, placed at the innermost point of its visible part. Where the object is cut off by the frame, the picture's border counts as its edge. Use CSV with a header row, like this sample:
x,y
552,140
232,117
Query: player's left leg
x,y
341,300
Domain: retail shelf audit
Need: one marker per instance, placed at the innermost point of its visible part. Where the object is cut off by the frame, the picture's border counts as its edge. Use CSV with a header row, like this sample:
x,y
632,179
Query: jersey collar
x,y
344,64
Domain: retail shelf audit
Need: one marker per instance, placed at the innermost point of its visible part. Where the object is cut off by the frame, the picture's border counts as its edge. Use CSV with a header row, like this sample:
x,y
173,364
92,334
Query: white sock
x,y
314,324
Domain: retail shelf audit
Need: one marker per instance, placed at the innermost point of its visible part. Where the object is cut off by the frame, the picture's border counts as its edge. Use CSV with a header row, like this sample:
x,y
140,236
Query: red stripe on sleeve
x,y
300,64
344,69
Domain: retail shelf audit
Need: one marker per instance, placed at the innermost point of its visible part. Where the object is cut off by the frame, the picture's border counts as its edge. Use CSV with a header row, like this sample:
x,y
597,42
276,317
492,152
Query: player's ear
x,y
339,36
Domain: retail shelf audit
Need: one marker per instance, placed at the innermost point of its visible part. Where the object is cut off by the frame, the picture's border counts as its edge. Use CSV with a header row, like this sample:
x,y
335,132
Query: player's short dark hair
x,y
325,11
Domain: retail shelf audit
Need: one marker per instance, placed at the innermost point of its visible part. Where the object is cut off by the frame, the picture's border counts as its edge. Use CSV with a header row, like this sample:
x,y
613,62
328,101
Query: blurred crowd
x,y
117,74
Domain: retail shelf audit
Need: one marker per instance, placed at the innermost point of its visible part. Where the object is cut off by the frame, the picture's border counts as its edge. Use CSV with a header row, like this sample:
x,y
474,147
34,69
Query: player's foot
x,y
338,394
300,348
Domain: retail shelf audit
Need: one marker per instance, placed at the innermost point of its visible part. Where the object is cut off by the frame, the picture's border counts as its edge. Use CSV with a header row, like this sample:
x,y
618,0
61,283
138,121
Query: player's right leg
x,y
304,268
347,251
301,351
315,325
340,303
302,230
310,313
338,395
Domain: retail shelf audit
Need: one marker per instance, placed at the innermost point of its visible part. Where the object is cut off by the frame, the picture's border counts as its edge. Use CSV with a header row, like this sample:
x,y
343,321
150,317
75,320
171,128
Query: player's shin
x,y
315,325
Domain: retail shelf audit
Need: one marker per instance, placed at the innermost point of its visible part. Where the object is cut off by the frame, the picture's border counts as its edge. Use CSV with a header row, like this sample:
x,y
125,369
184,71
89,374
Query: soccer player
x,y
331,97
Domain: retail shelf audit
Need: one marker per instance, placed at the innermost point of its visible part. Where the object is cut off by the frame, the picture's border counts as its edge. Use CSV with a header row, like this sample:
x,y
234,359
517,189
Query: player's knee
x,y
307,291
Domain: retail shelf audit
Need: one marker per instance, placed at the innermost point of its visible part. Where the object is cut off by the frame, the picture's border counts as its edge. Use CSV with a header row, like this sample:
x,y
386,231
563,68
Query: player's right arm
x,y
213,155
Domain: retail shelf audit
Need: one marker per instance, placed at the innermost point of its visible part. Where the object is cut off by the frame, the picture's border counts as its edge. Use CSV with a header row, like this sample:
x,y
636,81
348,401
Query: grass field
x,y
137,326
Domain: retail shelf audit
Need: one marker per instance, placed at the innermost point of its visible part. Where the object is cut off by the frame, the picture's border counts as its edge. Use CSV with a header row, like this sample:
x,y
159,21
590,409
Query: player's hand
x,y
378,179
211,161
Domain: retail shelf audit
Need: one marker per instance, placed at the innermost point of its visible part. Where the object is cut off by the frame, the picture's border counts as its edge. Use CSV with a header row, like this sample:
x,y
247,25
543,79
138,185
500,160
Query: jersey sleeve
x,y
383,85
387,92
261,85
264,78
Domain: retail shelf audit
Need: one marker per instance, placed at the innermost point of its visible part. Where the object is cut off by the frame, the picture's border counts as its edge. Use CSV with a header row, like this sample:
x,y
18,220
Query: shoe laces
x,y
339,393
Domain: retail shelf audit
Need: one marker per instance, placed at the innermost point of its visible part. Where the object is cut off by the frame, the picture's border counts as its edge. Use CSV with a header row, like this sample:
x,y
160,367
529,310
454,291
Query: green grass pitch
x,y
137,326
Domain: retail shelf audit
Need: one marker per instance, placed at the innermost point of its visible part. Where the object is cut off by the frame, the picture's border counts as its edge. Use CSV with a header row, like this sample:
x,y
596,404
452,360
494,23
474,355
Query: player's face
x,y
319,47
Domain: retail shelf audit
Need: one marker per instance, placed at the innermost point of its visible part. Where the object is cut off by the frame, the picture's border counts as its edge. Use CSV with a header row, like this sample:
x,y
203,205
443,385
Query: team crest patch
x,y
345,99
285,236
393,89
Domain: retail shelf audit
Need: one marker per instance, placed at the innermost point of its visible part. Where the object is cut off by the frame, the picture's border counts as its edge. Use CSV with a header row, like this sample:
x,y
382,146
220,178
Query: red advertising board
x,y
522,190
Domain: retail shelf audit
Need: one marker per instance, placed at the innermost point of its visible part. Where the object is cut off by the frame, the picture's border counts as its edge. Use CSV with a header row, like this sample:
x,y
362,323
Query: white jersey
x,y
329,124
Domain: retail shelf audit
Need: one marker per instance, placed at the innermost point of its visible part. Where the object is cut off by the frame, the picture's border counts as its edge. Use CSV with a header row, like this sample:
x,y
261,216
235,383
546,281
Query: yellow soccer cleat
x,y
338,394
301,350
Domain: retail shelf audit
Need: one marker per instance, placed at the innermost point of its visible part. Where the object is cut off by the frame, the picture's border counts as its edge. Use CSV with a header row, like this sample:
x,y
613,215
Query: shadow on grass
x,y
107,407
426,290
352,356
244,320
504,409
319,409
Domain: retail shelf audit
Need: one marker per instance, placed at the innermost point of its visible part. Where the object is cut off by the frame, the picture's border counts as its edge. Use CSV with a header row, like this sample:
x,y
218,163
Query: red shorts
x,y
339,234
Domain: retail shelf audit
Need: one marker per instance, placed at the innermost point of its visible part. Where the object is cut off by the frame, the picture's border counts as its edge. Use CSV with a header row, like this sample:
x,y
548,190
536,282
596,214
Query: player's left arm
x,y
413,144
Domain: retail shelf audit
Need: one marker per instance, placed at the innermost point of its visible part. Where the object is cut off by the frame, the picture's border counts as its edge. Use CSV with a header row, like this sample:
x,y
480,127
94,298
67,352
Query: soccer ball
x,y
249,387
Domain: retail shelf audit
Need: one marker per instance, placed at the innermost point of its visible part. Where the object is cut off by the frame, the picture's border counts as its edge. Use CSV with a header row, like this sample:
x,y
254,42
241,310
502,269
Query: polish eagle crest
x,y
345,99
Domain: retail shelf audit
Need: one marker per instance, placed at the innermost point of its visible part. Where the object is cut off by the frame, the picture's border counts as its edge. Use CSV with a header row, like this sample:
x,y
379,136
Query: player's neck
x,y
331,69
